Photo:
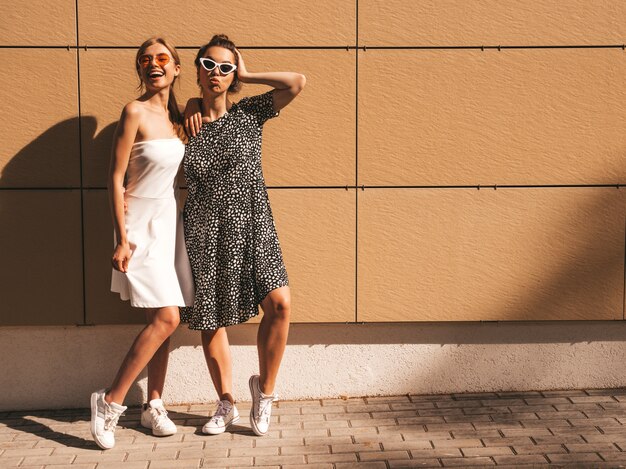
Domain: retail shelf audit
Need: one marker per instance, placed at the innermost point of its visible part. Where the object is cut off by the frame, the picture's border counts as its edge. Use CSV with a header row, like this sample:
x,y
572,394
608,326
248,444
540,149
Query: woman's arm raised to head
x,y
287,85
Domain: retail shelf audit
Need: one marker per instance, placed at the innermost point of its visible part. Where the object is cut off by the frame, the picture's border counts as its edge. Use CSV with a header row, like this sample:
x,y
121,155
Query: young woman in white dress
x,y
150,263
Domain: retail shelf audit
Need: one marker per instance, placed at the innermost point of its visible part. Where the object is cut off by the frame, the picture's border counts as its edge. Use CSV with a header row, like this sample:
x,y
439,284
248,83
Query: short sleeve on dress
x,y
261,106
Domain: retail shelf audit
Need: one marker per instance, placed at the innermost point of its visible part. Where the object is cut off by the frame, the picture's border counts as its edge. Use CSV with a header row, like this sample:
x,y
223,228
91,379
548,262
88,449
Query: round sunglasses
x,y
161,60
210,64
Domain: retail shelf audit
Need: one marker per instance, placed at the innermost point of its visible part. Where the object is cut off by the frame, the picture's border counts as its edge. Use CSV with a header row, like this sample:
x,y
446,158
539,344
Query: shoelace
x,y
265,407
110,419
159,414
221,411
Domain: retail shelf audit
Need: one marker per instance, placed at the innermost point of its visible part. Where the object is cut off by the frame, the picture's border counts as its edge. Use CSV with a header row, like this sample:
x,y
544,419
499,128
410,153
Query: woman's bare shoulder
x,y
133,109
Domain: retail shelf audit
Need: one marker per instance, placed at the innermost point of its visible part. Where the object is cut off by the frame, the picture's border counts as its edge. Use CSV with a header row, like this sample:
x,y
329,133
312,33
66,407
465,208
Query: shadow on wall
x,y
40,220
44,221
38,157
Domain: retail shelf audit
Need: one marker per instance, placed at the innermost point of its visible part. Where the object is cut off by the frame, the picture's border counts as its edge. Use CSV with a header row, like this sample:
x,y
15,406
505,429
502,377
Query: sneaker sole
x,y
94,414
255,429
163,433
219,431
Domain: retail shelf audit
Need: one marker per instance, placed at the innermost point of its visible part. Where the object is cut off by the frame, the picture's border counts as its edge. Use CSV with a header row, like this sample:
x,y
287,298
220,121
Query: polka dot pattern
x,y
230,234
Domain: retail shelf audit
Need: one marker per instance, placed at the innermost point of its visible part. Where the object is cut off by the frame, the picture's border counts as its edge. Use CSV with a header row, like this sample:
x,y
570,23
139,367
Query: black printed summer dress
x,y
229,229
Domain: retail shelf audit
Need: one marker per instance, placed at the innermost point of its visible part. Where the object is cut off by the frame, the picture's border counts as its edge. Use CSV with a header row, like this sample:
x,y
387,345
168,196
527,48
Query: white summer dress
x,y
159,273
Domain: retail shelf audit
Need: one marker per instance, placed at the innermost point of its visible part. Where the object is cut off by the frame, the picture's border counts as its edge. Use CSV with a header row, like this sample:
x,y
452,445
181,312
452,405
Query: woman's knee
x,y
167,320
281,307
211,335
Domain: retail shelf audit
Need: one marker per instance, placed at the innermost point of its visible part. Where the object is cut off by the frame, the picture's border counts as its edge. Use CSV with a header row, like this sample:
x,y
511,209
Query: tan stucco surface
x,y
490,22
39,144
505,254
552,118
38,22
267,23
41,276
509,117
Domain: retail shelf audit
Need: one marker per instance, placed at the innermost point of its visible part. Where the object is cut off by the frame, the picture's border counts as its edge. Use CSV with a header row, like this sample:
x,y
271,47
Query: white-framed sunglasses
x,y
210,64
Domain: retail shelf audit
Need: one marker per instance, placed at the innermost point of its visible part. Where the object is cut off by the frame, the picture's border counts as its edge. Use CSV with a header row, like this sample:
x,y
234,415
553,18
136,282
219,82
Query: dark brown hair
x,y
176,118
221,40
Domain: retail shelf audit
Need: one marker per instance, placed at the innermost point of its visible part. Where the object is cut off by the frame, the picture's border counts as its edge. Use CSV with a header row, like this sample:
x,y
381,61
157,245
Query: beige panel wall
x,y
268,23
38,22
491,22
410,117
317,234
506,254
41,273
39,144
510,117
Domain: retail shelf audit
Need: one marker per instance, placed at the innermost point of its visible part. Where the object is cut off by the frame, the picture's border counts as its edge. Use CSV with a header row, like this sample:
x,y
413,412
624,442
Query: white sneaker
x,y
154,416
104,419
261,411
224,415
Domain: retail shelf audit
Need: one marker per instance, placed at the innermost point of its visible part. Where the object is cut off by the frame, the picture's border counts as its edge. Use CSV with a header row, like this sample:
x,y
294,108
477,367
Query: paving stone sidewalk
x,y
582,428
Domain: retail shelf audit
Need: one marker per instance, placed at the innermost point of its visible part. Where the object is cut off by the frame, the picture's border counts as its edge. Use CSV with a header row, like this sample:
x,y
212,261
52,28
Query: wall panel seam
x,y
496,47
80,162
363,187
356,168
494,186
86,47
364,48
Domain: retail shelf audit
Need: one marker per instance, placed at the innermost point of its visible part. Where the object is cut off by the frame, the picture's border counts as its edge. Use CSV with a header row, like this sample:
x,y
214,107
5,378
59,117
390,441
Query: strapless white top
x,y
153,166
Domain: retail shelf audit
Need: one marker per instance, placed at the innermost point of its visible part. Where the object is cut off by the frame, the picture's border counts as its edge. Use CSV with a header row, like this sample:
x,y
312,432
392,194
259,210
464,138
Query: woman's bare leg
x,y
218,360
272,336
150,339
157,369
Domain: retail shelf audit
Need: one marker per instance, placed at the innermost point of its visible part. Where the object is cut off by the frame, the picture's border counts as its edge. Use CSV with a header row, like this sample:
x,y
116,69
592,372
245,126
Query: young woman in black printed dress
x,y
233,248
